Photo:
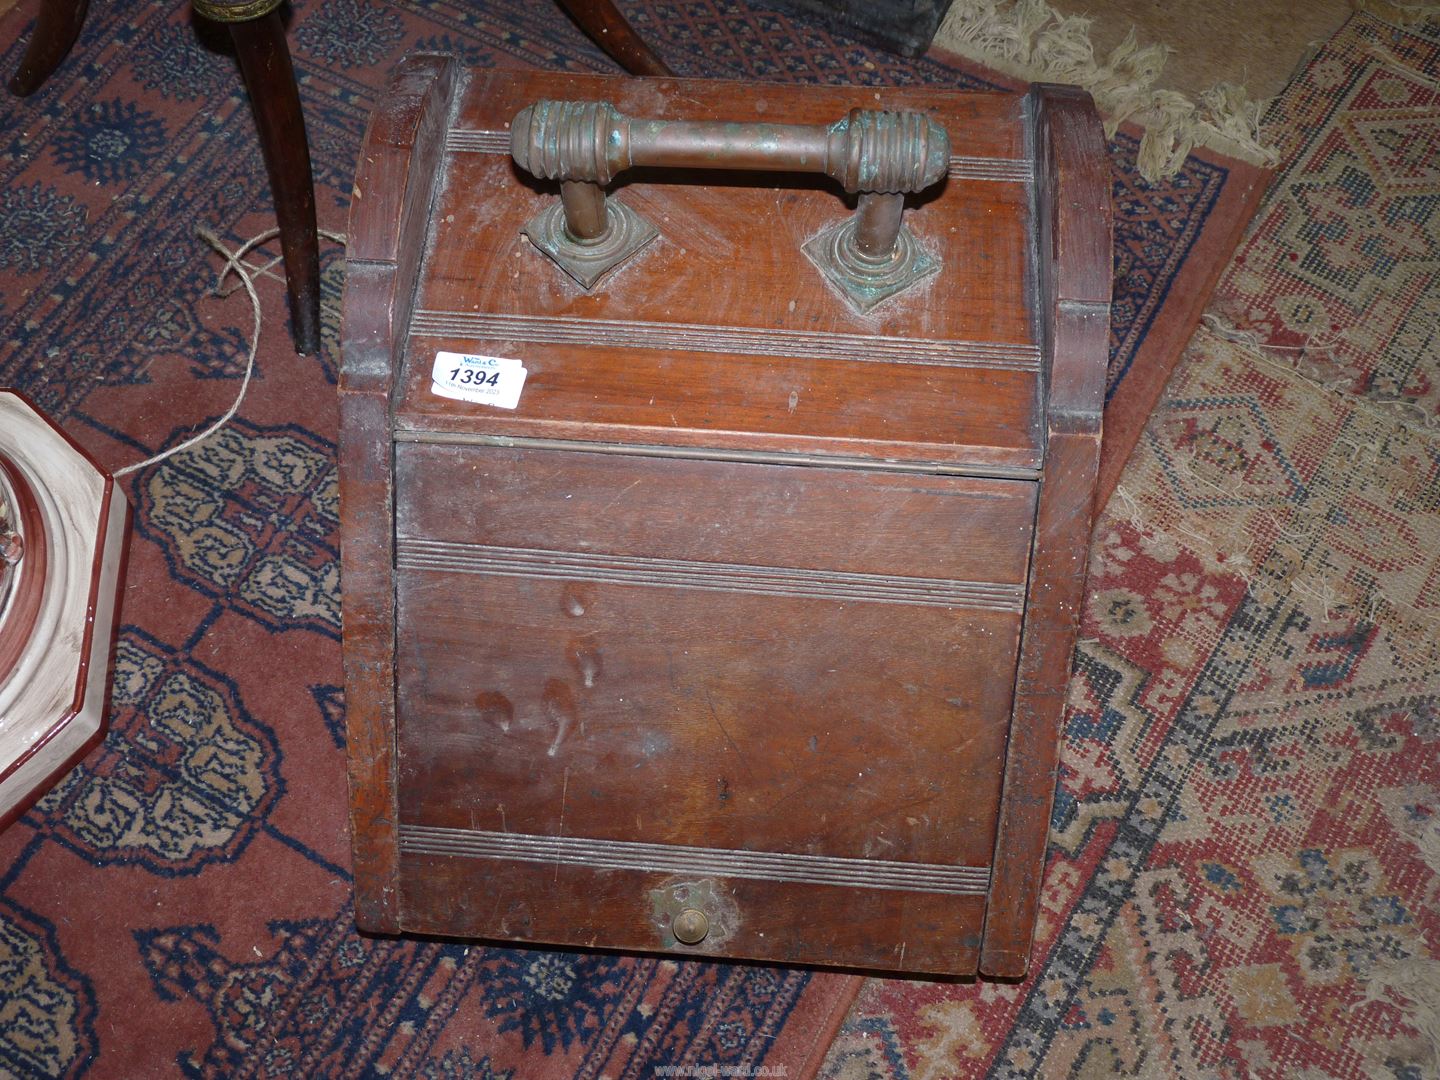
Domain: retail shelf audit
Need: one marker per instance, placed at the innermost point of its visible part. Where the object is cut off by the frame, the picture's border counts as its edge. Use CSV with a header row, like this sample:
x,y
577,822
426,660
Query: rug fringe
x,y
1397,11
1399,412
1028,39
1320,595
1413,985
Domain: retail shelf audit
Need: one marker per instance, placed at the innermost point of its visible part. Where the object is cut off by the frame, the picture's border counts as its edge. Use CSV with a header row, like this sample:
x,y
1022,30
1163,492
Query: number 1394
x,y
470,376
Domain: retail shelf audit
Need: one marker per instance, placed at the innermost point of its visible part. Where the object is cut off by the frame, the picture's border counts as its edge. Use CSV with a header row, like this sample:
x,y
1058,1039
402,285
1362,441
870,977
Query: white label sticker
x,y
488,380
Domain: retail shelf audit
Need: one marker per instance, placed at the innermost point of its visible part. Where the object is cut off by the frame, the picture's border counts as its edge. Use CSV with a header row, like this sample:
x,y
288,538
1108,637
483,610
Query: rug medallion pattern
x,y
250,518
48,1010
185,777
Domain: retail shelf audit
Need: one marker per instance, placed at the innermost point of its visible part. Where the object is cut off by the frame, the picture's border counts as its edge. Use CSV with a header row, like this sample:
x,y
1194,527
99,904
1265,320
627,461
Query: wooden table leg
x,y
270,78
604,25
56,28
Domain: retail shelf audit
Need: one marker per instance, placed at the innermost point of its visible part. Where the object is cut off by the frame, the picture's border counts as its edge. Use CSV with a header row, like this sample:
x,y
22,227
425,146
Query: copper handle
x,y
881,155
867,150
583,144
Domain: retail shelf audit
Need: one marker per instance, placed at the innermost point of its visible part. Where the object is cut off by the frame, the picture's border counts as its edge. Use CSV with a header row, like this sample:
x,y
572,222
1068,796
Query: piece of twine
x,y
246,275
1248,337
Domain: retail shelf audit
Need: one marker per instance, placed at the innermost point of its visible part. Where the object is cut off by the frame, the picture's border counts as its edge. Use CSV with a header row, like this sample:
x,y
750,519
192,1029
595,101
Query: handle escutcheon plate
x,y
866,283
626,233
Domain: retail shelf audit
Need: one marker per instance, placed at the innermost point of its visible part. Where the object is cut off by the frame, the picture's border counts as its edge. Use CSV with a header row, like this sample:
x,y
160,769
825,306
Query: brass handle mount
x,y
880,155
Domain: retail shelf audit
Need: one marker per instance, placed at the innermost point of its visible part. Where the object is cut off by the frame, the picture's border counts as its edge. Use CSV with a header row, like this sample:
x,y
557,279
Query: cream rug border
x,y
1030,40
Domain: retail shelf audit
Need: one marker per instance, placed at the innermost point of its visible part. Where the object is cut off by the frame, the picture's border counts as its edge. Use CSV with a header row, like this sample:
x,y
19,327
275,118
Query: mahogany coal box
x,y
717,469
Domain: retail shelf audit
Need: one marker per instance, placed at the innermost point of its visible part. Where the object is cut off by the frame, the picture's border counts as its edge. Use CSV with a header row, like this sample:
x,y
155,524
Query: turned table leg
x,y
264,58
56,28
604,25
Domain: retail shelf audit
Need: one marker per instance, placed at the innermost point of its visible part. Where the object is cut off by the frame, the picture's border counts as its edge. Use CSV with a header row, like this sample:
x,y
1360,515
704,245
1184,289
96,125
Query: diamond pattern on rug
x,y
1244,875
1361,532
1342,265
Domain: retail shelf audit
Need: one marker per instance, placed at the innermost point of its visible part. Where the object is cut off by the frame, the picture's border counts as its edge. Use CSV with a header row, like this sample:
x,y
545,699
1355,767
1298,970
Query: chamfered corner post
x,y
1071,217
405,138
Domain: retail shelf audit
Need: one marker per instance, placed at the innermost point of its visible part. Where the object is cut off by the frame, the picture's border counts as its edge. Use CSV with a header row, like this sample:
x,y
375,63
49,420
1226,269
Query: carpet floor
x,y
181,901
1244,877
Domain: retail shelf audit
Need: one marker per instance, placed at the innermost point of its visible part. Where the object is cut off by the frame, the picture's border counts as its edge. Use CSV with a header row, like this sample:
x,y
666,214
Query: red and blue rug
x,y
181,903
1244,869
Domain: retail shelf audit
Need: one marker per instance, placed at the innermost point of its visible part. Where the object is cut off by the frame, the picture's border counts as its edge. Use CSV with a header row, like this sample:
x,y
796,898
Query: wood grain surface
x,y
744,605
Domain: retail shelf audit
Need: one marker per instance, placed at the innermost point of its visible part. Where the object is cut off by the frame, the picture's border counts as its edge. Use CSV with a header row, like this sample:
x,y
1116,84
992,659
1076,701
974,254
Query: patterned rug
x,y
1244,878
181,902
1173,239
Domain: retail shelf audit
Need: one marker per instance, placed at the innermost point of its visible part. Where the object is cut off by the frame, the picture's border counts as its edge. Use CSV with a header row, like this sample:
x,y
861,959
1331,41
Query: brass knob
x,y
690,926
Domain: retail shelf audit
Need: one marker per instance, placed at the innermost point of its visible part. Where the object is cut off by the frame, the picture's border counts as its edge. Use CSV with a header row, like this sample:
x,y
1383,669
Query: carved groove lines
x,y
1003,170
458,140
415,553
745,341
698,861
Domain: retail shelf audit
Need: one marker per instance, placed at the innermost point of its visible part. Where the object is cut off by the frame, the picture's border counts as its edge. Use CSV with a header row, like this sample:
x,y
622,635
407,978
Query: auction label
x,y
486,380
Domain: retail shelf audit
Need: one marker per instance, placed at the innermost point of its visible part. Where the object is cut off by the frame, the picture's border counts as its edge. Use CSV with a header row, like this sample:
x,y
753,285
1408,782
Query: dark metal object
x,y
903,26
235,11
881,155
